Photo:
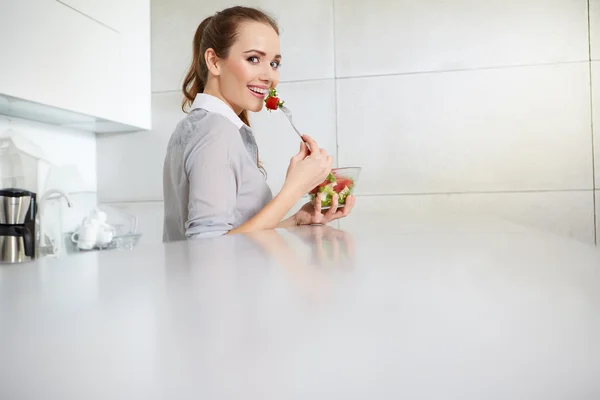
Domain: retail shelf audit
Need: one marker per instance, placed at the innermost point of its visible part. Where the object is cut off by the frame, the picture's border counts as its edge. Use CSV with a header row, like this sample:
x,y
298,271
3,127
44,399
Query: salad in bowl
x,y
341,181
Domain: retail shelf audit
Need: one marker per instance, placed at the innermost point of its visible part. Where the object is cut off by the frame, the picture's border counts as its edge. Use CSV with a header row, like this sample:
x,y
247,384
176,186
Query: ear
x,y
212,62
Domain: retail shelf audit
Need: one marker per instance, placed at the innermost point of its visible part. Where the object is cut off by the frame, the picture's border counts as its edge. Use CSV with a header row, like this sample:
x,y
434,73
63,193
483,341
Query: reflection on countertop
x,y
467,309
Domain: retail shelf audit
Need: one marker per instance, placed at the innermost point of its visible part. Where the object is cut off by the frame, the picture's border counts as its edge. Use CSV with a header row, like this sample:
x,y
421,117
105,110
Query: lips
x,y
259,92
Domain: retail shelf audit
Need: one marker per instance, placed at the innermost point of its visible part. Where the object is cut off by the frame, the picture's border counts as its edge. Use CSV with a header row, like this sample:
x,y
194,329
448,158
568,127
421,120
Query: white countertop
x,y
438,309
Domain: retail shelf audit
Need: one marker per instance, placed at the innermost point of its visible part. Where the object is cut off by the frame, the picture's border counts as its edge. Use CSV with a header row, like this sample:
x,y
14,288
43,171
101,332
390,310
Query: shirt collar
x,y
213,104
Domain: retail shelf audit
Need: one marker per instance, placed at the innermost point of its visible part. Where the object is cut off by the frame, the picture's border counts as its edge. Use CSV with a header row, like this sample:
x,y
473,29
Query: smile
x,y
258,92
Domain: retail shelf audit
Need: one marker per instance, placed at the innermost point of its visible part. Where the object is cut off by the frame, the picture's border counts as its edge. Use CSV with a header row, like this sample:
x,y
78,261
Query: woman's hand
x,y
307,169
309,214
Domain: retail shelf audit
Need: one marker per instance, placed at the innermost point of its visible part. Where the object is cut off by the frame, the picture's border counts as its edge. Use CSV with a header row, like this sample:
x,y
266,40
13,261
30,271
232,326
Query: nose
x,y
267,74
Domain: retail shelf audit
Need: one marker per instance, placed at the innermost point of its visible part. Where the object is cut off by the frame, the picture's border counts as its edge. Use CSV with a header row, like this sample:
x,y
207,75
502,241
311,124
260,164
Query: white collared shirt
x,y
214,104
211,181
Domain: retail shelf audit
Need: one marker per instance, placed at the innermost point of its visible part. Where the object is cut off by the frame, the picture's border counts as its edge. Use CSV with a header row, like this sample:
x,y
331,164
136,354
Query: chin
x,y
255,107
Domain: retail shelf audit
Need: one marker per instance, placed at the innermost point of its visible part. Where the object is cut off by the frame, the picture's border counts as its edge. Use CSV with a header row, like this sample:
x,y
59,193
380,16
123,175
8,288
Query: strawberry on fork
x,y
272,102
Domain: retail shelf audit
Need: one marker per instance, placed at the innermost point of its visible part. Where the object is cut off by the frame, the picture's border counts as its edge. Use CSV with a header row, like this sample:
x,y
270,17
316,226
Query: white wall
x,y
466,106
60,145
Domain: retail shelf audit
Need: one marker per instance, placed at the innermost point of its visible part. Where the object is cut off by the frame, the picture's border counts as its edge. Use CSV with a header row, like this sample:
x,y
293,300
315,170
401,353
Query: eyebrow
x,y
262,53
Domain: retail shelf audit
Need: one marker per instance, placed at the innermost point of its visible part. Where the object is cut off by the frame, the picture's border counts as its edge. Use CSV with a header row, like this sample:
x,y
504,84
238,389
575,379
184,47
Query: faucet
x,y
45,248
62,194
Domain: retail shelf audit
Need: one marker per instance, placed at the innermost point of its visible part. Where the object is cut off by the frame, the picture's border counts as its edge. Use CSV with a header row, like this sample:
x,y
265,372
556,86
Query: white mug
x,y
86,236
93,233
104,234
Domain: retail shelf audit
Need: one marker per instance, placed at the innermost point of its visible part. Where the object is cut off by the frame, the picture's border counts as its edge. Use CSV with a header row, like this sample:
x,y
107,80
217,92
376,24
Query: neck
x,y
212,88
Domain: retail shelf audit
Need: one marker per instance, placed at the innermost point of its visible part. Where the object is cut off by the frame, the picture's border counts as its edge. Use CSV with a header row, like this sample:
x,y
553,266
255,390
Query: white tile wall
x,y
595,29
568,214
60,146
595,74
521,133
389,37
306,37
150,218
521,128
130,165
596,219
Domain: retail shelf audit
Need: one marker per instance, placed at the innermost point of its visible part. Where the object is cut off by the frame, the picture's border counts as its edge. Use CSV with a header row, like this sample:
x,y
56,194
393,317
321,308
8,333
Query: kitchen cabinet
x,y
78,63
100,11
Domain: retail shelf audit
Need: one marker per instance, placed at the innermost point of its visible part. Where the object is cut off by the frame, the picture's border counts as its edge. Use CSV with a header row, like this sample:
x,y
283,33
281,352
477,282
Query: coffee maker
x,y
18,210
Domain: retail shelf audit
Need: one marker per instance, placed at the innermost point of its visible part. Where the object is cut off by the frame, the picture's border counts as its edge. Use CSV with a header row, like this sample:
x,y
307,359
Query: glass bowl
x,y
341,181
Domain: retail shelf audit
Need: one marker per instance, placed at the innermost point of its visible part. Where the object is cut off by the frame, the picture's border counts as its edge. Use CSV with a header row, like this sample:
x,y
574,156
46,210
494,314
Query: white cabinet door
x,y
136,84
57,55
106,12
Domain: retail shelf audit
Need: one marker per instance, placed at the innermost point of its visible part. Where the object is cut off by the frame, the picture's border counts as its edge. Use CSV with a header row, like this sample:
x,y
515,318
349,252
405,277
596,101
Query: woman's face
x,y
251,68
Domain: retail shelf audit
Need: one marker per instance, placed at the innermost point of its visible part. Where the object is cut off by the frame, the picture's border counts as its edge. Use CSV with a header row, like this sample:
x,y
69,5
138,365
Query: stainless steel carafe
x,y
17,226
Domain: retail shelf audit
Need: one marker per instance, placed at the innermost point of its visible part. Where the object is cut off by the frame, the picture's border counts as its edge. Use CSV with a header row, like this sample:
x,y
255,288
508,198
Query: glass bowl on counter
x,y
341,181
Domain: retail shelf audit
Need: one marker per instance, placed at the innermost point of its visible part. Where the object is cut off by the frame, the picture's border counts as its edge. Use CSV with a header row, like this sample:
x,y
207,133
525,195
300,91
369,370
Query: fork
x,y
288,114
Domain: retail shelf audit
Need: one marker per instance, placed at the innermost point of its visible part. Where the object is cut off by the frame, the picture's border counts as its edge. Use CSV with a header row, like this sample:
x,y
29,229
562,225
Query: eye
x,y
253,59
275,64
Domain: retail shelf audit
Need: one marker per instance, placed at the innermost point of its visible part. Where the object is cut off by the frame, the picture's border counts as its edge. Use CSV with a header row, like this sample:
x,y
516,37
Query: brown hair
x,y
218,32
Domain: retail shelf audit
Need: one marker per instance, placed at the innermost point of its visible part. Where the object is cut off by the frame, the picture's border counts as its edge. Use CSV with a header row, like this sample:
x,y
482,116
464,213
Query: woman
x,y
212,180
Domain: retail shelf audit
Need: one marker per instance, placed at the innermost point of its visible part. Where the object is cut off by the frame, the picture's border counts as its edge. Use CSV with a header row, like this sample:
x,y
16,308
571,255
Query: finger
x,y
314,147
349,205
308,150
333,209
344,211
318,204
302,153
296,157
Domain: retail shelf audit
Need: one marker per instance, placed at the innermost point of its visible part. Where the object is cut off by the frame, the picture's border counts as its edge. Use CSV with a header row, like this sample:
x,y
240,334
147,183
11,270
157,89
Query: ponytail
x,y
195,79
244,117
